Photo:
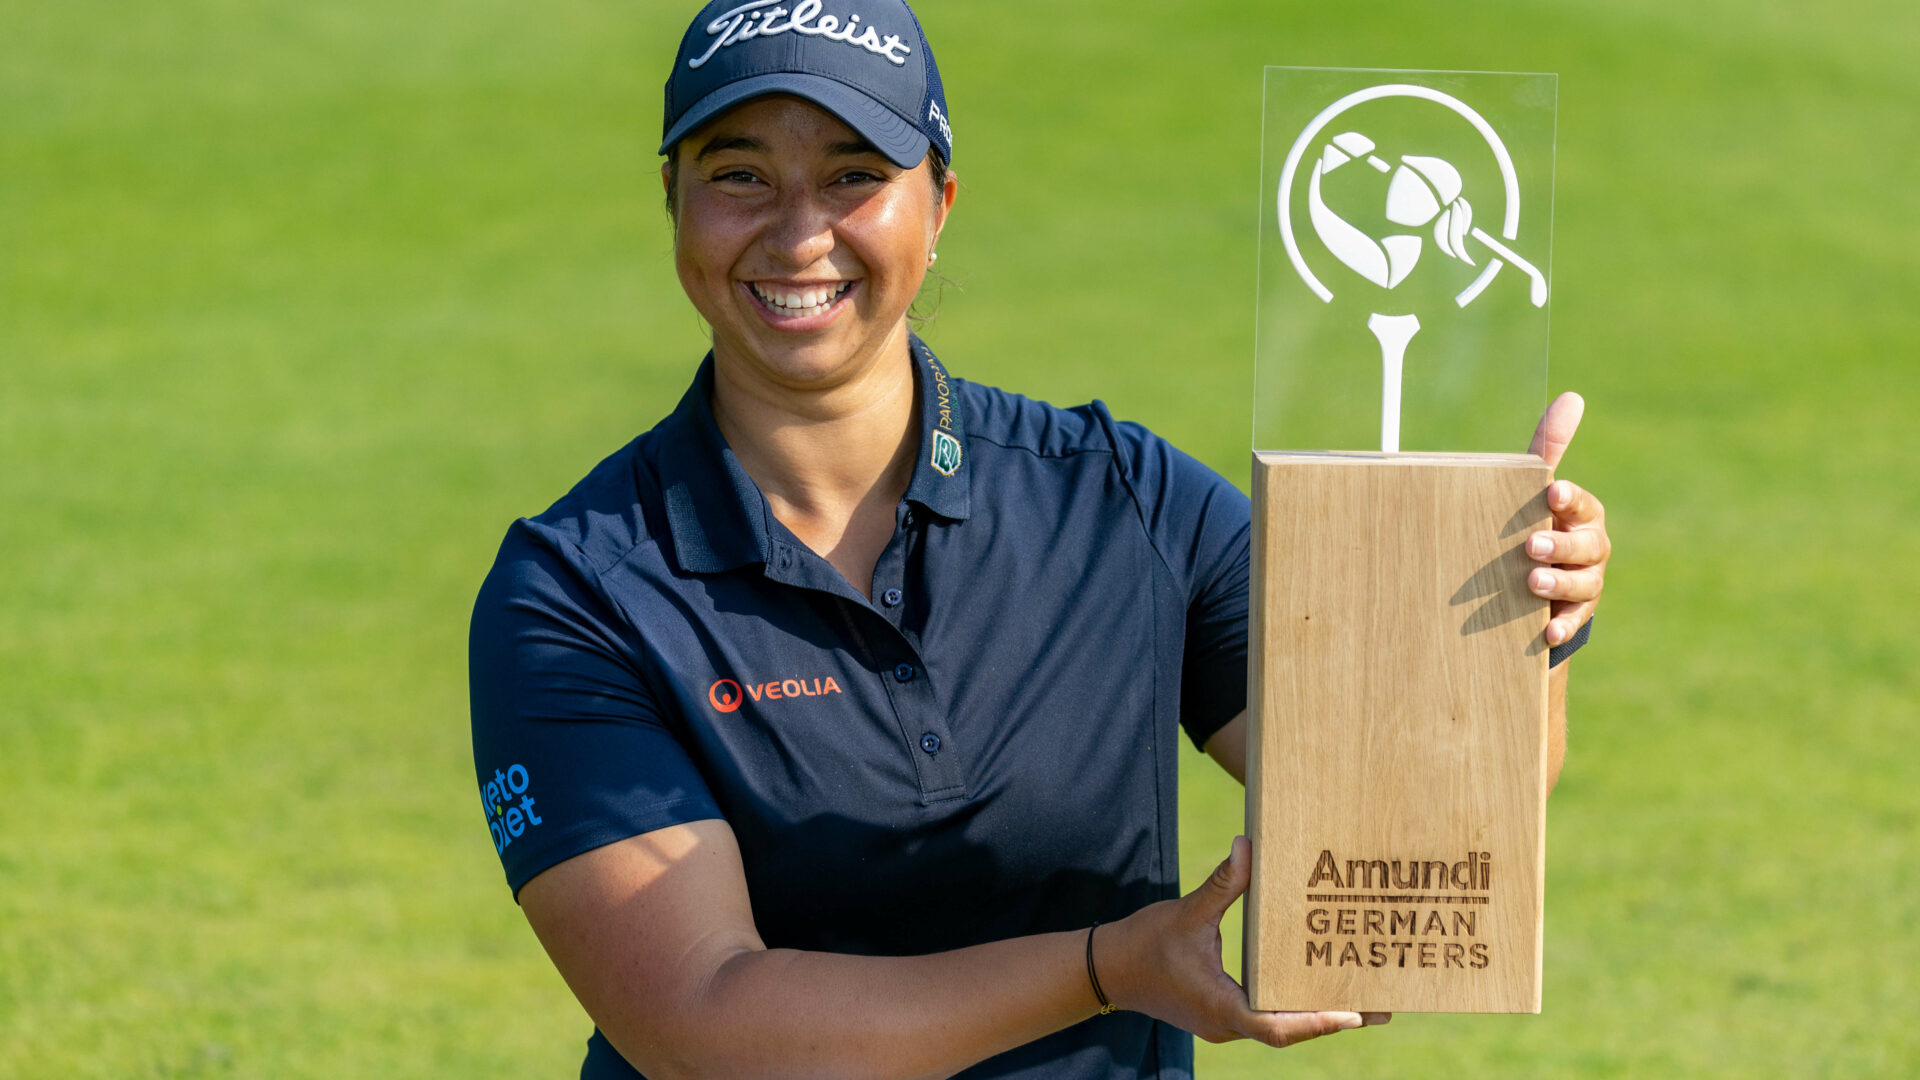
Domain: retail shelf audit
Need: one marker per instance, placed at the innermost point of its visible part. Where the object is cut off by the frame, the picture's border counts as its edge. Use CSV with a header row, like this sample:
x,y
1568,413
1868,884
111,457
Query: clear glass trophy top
x,y
1406,227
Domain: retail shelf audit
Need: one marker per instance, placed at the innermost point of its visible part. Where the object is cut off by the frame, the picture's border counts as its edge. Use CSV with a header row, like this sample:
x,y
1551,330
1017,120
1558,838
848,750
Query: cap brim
x,y
889,132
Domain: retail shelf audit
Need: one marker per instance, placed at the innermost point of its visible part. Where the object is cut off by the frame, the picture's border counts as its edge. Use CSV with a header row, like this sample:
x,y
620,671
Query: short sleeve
x,y
1202,526
569,746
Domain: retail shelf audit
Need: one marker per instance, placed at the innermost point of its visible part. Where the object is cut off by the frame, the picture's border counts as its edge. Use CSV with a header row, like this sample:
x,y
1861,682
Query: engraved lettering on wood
x,y
1396,787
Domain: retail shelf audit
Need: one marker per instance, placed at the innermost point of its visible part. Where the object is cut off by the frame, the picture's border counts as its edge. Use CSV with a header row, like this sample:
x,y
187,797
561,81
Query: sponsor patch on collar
x,y
946,453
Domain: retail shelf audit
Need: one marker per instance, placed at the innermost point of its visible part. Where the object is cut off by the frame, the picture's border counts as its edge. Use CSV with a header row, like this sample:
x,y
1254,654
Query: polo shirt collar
x,y
720,519
716,512
940,480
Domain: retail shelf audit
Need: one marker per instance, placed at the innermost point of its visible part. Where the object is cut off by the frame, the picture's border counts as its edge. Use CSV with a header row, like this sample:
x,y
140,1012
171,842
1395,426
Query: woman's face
x,y
800,244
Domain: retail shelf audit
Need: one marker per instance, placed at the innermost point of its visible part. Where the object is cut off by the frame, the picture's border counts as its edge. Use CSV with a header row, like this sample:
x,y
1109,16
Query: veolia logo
x,y
1424,191
726,695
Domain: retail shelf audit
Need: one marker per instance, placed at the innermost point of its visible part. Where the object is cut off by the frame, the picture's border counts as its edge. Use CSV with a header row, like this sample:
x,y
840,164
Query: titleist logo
x,y
761,18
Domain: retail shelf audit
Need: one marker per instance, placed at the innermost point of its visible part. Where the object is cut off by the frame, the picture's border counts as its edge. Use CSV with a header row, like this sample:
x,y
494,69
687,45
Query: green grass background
x,y
301,303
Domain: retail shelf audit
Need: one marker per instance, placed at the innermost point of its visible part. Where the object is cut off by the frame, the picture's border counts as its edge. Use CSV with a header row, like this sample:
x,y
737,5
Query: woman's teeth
x,y
799,303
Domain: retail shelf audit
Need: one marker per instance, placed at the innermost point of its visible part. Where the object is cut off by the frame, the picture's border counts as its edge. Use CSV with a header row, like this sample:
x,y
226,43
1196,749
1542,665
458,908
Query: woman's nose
x,y
802,229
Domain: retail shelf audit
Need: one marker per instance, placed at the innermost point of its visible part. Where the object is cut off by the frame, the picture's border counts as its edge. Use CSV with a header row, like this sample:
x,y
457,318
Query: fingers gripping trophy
x,y
1397,768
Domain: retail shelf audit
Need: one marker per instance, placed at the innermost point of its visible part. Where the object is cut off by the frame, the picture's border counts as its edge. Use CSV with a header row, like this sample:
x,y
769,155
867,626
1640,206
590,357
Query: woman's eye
x,y
736,176
863,178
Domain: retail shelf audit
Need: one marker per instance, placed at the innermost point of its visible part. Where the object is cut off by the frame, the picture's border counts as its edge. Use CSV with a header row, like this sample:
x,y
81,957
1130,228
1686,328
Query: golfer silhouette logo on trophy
x,y
1423,191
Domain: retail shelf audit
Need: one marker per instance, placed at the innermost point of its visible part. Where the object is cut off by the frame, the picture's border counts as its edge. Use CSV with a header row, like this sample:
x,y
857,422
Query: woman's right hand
x,y
1164,960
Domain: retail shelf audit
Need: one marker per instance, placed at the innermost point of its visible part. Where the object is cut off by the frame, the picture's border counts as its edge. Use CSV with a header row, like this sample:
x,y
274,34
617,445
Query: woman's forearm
x,y
787,1013
655,936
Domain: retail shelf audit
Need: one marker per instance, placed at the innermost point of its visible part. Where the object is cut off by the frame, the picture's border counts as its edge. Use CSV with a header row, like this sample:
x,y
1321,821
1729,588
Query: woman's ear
x,y
948,192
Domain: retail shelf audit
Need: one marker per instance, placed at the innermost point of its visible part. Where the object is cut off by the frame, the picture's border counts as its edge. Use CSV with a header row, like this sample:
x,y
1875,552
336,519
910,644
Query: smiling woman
x,y
800,243
936,172
848,693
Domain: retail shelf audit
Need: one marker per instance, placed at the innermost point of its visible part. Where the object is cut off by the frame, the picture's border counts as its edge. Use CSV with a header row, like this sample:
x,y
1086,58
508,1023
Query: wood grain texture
x,y
1397,770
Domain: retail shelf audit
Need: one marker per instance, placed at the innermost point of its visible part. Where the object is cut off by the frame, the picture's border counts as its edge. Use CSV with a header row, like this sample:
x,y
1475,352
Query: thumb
x,y
1555,433
1227,882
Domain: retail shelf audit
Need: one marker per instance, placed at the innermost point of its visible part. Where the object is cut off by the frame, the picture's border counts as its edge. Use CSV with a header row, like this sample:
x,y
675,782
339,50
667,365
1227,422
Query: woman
x,y
827,728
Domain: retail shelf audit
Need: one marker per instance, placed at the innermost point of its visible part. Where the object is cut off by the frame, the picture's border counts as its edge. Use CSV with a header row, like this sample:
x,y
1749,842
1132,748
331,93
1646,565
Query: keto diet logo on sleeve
x,y
509,805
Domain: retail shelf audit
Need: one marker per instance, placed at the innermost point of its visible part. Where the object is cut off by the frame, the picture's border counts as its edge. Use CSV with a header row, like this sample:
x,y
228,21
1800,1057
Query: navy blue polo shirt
x,y
983,750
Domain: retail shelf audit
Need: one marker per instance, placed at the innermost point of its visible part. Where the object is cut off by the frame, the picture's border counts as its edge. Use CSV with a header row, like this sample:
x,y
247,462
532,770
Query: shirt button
x,y
930,743
891,598
903,673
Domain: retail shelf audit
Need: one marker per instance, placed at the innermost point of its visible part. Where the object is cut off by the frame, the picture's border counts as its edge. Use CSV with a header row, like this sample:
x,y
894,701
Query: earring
x,y
932,257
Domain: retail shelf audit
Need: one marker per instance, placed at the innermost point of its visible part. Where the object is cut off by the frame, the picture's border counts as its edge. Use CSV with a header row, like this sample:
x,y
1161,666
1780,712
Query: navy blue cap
x,y
865,61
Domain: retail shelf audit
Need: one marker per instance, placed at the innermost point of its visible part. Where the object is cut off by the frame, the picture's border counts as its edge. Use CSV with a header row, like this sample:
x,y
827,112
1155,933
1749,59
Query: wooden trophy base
x,y
1397,761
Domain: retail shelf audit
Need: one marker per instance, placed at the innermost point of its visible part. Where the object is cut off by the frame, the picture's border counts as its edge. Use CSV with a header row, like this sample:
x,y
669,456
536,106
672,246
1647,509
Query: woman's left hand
x,y
1576,549
1164,960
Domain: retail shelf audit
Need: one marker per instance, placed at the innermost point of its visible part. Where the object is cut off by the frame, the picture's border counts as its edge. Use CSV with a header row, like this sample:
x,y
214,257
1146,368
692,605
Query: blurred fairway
x,y
301,304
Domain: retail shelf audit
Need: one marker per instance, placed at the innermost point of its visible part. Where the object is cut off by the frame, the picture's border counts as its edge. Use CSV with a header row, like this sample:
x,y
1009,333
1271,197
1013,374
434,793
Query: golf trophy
x,y
1397,761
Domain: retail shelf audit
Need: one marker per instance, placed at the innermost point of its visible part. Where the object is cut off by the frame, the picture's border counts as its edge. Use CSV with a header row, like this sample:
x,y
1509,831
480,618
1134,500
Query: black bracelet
x,y
1105,1005
1559,653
